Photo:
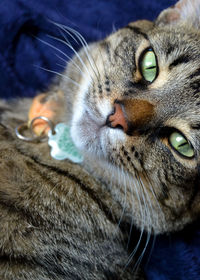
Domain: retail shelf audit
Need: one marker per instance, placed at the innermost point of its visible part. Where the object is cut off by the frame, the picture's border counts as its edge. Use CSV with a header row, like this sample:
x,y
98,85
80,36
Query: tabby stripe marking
x,y
91,193
180,60
170,49
133,86
137,31
195,126
7,203
195,74
106,46
165,190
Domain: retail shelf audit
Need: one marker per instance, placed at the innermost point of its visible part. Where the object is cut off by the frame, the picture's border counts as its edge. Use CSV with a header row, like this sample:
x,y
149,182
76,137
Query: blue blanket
x,y
23,23
24,27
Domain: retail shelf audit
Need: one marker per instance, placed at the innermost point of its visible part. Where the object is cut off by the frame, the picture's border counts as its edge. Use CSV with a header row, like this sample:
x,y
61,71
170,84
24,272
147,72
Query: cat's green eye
x,y
181,144
148,65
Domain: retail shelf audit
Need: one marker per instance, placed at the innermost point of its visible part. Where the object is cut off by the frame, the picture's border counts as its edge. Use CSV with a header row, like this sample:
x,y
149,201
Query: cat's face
x,y
137,114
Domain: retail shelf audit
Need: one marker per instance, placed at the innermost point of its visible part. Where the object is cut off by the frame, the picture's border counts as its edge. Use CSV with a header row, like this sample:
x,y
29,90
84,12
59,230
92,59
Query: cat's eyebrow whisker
x,y
73,64
74,67
61,65
59,74
53,47
84,44
58,50
67,41
70,46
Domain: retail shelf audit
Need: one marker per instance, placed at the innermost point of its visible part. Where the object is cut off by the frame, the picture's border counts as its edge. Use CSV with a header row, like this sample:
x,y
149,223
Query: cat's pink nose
x,y
117,119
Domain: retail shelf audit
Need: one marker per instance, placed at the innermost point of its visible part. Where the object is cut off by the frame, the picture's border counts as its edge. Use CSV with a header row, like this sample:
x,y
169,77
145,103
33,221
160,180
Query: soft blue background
x,y
23,21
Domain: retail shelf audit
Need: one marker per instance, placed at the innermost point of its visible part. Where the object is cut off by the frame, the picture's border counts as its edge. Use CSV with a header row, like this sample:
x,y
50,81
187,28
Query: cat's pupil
x,y
148,65
181,145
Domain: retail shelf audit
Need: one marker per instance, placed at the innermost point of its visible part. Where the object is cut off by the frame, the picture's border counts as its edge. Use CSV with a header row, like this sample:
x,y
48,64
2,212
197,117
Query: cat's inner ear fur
x,y
185,11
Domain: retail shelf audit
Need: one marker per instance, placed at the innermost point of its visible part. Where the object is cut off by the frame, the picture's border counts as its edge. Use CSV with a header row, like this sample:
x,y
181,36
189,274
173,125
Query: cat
x,y
132,102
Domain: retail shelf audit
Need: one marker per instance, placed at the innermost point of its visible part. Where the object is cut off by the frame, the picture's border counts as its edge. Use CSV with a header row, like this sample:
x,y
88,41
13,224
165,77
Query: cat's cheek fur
x,y
93,138
79,110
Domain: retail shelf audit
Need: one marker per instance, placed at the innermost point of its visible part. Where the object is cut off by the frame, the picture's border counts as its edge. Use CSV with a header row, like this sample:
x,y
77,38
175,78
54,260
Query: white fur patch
x,y
116,136
78,109
79,104
104,108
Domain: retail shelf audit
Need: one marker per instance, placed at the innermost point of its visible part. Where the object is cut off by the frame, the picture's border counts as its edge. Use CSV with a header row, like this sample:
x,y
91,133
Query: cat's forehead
x,y
176,50
169,40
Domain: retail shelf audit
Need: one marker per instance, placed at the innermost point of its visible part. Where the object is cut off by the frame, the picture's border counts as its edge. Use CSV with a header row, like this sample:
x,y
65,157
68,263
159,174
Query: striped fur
x,y
56,220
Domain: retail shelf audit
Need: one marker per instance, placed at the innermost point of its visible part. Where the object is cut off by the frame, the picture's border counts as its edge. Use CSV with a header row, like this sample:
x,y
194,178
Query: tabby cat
x,y
133,104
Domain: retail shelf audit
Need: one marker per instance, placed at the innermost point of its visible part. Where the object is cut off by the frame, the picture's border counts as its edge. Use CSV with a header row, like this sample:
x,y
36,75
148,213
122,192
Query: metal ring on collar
x,y
19,130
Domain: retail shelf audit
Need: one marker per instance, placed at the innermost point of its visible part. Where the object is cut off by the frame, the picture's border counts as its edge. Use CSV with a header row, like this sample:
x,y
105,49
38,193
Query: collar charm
x,y
42,114
62,146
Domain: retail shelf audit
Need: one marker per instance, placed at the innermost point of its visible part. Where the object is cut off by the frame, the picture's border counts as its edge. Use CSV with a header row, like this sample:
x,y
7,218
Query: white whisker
x,y
55,48
137,264
142,228
61,65
59,74
125,198
147,200
84,44
70,46
73,64
132,219
154,195
144,194
151,250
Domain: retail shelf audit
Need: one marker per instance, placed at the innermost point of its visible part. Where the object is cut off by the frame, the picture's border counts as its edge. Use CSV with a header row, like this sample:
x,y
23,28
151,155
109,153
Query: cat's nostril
x,y
117,118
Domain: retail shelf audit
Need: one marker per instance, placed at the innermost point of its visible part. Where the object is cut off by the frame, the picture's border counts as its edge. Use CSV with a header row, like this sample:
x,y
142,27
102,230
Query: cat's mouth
x,y
92,135
86,134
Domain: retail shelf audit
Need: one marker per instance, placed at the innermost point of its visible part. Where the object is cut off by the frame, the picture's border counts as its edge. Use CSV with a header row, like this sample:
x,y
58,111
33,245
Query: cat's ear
x,y
187,11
